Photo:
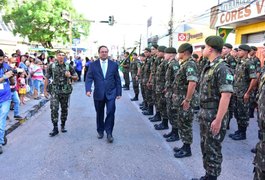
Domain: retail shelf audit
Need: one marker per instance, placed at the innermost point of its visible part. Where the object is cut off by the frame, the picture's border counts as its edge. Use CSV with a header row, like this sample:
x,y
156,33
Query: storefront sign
x,y
236,10
194,36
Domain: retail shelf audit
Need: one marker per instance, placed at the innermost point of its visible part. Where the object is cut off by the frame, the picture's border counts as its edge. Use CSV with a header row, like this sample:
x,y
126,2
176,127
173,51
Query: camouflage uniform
x,y
172,70
147,71
142,84
252,99
134,70
60,90
126,71
244,73
259,159
231,61
188,72
216,79
156,96
160,87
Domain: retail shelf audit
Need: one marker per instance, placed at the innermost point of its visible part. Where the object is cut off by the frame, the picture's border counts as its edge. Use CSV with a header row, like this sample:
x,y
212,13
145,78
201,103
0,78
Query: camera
x,y
17,70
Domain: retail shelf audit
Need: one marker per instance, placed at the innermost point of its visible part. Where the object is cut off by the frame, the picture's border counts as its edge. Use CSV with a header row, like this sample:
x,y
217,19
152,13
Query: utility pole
x,y
170,23
140,43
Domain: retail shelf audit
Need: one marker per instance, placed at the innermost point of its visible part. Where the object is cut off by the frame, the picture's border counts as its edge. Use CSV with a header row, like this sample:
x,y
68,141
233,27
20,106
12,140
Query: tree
x,y
40,21
3,3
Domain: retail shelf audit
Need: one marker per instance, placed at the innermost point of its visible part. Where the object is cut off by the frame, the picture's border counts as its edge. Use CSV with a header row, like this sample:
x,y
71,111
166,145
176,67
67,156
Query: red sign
x,y
182,36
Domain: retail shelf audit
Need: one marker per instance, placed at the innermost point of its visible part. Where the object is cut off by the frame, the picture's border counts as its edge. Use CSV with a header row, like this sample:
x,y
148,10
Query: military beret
x,y
244,47
171,50
142,55
147,49
162,48
184,47
254,48
195,56
215,42
236,49
228,45
155,46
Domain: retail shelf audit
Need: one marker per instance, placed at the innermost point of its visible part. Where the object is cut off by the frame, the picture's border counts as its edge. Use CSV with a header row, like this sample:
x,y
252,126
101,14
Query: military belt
x,y
209,105
261,135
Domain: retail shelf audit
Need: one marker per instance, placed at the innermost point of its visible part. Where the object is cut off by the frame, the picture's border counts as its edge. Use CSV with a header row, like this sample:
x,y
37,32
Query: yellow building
x,y
245,17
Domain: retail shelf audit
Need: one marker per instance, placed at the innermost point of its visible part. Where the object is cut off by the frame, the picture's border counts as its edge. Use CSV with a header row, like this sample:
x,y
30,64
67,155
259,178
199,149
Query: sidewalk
x,y
26,111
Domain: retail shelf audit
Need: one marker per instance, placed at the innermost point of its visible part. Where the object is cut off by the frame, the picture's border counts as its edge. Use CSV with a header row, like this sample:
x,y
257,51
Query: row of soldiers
x,y
218,83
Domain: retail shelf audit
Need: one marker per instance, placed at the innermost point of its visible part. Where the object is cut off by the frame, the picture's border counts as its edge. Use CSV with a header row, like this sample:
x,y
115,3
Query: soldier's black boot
x,y
183,152
235,133
163,125
63,130
205,177
153,117
144,107
251,111
157,118
150,111
174,136
241,135
135,98
55,131
167,135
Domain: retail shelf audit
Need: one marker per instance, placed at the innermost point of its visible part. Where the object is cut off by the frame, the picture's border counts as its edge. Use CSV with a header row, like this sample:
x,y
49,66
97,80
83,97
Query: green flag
x,y
224,33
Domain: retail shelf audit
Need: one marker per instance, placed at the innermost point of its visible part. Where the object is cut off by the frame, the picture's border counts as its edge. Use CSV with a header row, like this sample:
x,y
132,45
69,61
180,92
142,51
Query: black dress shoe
x,y
100,135
182,153
110,138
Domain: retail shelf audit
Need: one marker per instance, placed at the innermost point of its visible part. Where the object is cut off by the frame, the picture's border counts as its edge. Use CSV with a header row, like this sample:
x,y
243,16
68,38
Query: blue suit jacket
x,y
109,87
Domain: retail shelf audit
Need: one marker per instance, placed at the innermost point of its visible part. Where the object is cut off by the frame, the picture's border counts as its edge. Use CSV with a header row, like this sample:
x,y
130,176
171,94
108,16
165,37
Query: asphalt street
x,y
138,151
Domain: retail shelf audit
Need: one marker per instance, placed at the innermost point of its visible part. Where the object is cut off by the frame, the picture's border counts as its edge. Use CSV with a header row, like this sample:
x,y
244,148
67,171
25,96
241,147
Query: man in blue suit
x,y
105,75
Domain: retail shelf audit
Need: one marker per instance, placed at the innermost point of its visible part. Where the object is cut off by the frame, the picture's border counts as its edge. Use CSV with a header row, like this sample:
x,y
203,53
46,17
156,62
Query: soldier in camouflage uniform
x,y
60,75
160,86
231,61
146,76
126,69
135,74
245,81
143,105
155,64
253,103
183,89
216,89
172,69
259,159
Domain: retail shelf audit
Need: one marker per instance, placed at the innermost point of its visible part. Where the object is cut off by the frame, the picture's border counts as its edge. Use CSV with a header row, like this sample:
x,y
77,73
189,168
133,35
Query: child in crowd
x,y
22,90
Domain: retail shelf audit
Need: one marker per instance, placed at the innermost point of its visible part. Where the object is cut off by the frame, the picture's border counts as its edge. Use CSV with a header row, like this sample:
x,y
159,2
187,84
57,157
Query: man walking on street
x,y
216,89
5,97
105,75
60,75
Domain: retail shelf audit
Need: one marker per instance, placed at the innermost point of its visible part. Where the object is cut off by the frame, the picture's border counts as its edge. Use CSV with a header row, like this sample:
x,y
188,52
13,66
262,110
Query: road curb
x,y
27,115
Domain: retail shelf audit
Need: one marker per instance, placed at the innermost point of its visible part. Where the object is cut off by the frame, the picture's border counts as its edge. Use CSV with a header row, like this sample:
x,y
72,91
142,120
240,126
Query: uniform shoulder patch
x,y
229,77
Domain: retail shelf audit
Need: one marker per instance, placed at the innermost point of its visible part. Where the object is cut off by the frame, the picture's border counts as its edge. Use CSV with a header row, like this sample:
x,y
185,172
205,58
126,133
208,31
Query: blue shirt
x,y
5,92
78,65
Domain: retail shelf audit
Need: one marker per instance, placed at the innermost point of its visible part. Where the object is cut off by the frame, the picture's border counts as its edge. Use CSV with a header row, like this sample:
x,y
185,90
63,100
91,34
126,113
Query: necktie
x,y
104,68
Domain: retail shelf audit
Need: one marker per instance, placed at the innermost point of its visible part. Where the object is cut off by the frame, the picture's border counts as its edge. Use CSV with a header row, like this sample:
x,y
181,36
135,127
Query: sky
x,y
131,18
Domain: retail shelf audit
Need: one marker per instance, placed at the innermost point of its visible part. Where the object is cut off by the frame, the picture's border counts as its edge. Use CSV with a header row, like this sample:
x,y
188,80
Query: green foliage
x,y
41,21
